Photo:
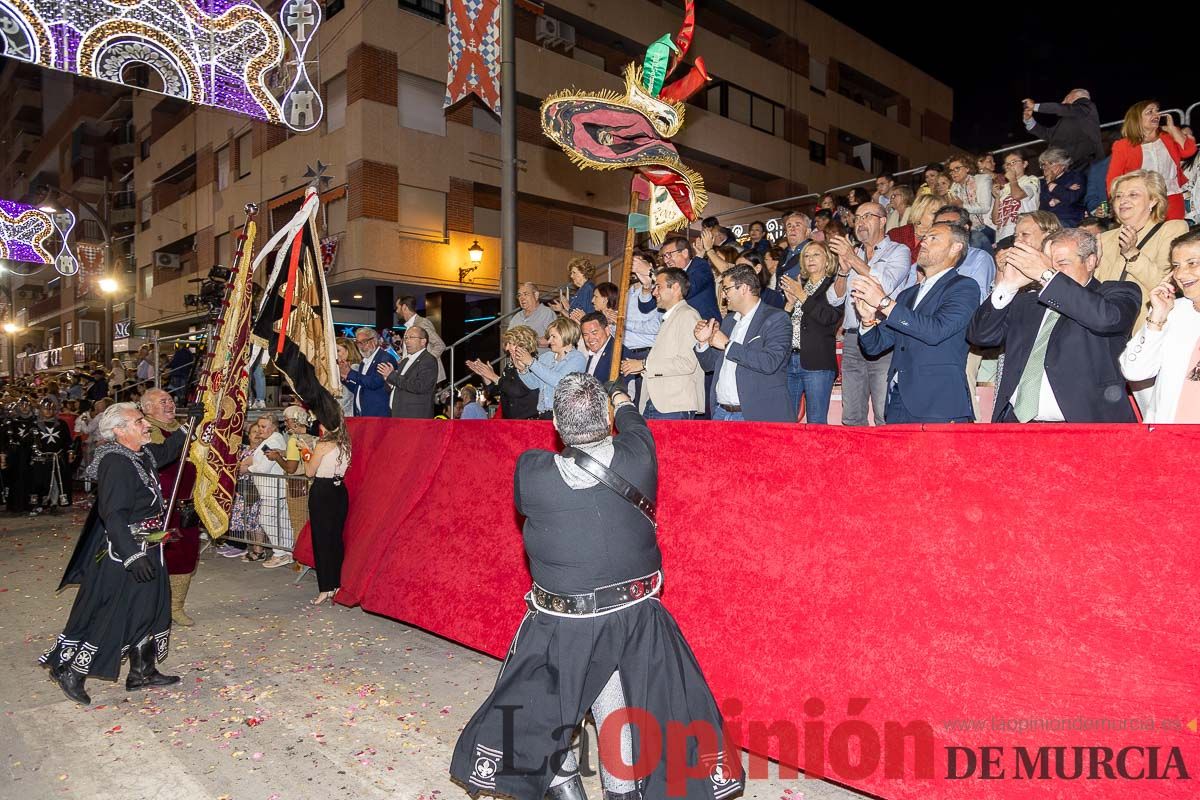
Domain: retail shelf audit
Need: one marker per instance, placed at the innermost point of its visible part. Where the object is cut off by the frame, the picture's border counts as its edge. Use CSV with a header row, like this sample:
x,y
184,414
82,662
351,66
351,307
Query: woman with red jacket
x,y
1143,145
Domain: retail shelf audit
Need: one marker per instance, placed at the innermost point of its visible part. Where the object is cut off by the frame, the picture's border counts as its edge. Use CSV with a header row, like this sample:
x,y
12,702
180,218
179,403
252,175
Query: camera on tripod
x,y
211,295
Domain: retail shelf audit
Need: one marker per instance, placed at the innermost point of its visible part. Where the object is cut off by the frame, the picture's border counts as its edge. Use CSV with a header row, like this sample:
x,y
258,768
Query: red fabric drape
x,y
987,572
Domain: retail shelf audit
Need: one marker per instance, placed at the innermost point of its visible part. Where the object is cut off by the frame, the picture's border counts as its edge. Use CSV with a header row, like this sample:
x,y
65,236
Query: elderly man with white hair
x,y
124,601
1063,189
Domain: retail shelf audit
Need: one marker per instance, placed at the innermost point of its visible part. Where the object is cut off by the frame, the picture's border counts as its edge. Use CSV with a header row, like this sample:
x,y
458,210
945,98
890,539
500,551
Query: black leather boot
x,y
71,682
571,790
142,672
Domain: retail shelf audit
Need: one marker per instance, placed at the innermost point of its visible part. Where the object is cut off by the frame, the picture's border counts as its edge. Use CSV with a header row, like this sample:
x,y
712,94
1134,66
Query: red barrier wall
x,y
991,573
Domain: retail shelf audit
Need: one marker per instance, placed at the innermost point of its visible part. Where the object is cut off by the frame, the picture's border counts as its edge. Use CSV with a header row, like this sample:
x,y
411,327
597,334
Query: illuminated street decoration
x,y
222,53
26,233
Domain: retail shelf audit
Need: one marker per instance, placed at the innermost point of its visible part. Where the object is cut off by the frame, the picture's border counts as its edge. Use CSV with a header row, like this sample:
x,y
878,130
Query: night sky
x,y
1036,52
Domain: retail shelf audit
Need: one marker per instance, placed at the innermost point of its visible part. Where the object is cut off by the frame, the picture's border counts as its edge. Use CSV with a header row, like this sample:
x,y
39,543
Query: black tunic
x,y
51,440
18,445
579,540
112,611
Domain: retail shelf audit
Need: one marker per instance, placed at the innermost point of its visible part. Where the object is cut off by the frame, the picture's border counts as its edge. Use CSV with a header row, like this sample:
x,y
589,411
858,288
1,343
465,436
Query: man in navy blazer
x,y
926,330
598,345
748,353
372,395
677,252
1075,376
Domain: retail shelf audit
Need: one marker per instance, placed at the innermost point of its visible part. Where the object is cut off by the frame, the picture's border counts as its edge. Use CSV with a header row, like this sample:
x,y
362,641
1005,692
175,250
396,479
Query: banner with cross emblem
x,y
474,27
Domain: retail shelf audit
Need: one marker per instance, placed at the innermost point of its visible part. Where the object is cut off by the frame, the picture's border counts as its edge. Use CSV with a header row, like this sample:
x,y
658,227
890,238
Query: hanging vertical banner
x,y
474,27
329,248
91,267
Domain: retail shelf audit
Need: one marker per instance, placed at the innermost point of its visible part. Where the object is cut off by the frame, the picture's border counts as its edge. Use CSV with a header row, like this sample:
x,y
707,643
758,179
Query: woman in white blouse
x,y
1014,195
1167,346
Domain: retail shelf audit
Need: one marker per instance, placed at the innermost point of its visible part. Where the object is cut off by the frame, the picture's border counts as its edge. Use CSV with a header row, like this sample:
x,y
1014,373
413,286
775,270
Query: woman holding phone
x,y
1150,140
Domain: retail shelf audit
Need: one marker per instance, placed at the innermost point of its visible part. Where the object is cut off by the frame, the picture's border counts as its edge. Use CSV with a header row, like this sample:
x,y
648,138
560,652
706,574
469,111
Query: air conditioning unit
x,y
551,32
547,30
164,260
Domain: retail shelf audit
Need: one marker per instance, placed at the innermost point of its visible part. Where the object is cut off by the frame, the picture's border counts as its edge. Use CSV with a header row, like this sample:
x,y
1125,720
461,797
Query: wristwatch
x,y
1047,276
884,303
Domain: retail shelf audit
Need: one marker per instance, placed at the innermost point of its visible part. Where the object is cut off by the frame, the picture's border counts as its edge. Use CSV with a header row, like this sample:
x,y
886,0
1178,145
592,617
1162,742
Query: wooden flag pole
x,y
614,371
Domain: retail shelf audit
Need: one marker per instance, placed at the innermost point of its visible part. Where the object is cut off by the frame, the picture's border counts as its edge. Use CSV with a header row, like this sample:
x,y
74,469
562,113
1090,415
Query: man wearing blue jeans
x,y
890,264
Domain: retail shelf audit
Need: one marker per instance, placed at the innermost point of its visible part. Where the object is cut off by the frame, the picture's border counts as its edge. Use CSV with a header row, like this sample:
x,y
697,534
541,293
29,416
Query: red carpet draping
x,y
991,573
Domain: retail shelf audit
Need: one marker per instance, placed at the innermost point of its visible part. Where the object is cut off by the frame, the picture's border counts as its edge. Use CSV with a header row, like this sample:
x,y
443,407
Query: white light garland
x,y
220,53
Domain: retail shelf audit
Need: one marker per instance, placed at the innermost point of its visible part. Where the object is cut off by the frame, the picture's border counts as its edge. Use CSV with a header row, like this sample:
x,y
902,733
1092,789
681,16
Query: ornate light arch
x,y
111,46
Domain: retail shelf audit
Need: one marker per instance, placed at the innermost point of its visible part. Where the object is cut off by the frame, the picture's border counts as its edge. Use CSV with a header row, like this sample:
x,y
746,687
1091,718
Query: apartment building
x,y
799,102
65,142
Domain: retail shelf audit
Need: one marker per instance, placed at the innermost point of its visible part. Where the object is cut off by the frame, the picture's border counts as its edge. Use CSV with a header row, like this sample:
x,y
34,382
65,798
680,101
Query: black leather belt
x,y
731,409
849,330
597,601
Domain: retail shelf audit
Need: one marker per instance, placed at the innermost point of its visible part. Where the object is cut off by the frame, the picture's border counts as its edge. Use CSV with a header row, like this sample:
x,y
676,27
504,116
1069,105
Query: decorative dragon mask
x,y
611,130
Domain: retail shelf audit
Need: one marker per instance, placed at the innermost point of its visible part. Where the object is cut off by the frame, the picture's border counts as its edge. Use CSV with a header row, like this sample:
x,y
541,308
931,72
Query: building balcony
x,y
122,217
88,176
45,306
122,155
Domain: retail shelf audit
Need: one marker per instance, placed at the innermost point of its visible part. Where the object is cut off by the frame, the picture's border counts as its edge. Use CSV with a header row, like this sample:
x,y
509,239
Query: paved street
x,y
279,701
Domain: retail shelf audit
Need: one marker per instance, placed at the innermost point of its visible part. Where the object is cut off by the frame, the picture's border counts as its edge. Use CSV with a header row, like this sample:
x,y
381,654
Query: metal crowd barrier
x,y
269,511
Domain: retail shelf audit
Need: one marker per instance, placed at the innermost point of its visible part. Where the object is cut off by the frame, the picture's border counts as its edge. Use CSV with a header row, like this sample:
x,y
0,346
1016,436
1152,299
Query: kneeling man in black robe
x,y
595,635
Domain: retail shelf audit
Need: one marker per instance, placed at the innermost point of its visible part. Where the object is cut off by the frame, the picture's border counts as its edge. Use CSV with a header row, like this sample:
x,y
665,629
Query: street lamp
x,y
475,253
108,286
10,328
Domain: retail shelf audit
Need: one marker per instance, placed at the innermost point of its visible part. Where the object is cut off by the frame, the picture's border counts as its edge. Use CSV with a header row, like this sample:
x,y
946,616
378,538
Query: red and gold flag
x,y
223,392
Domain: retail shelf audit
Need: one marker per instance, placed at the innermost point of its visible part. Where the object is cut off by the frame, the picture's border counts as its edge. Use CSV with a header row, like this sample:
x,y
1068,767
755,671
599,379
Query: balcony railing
x,y
47,305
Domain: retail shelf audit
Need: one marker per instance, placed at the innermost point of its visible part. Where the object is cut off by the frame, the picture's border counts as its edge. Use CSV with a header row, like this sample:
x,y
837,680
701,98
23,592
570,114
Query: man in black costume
x,y
595,636
18,440
124,600
50,458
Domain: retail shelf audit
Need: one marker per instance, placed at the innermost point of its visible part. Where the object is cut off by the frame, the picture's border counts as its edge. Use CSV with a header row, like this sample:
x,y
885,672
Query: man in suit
x,y
599,345
676,252
748,353
372,396
926,330
413,379
406,310
1077,130
672,380
1063,342
796,226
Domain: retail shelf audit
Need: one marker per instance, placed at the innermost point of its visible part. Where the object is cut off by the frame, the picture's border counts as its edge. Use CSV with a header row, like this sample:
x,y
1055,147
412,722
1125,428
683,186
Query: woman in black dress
x,y
517,401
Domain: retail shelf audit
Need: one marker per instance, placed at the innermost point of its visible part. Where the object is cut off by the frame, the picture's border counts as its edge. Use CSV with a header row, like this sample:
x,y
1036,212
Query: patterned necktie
x,y
1029,388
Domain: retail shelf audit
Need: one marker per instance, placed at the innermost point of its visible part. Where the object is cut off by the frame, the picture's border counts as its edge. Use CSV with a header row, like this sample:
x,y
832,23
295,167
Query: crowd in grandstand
x,y
1073,288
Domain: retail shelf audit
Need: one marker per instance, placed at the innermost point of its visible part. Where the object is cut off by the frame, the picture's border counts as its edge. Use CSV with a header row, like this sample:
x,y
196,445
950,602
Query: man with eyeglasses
x,y
532,314
864,379
414,379
748,353
676,253
372,395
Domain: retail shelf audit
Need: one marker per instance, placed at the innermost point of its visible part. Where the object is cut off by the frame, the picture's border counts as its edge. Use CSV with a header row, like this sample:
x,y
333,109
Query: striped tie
x,y
1029,388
